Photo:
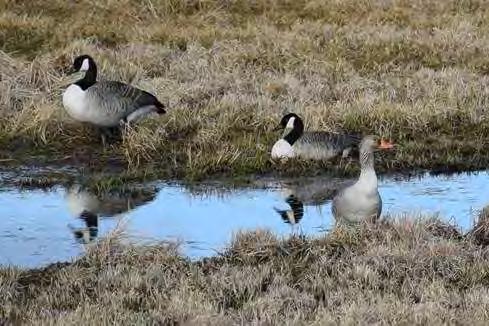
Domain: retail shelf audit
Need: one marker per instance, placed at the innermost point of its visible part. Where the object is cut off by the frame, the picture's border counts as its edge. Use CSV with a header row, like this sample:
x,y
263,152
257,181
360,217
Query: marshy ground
x,y
399,272
413,71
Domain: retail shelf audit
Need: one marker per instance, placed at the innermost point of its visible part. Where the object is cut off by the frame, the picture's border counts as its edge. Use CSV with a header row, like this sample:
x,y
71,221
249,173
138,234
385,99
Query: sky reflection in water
x,y
39,227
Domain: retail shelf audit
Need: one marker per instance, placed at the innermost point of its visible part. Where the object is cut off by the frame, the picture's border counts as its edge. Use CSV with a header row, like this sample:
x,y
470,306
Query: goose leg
x,y
124,125
103,137
344,156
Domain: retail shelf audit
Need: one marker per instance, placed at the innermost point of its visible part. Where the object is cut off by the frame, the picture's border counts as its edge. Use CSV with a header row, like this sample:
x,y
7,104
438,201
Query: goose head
x,y
368,146
83,63
373,143
291,121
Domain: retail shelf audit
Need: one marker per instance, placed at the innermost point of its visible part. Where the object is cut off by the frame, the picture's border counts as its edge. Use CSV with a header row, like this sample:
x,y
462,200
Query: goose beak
x,y
277,128
385,144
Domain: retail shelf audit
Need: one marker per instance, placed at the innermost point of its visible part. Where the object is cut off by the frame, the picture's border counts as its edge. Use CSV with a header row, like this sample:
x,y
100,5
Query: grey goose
x,y
361,201
106,104
315,145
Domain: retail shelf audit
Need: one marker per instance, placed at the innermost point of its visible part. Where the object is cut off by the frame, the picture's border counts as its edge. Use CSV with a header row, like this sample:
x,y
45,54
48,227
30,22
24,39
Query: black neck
x,y
90,77
295,133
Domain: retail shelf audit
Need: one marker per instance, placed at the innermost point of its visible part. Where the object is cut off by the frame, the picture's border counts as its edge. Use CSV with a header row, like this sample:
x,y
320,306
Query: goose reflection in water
x,y
90,206
293,215
307,192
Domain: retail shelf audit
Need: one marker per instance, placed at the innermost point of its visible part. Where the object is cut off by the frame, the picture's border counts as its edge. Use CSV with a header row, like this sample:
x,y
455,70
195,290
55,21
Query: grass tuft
x,y
401,271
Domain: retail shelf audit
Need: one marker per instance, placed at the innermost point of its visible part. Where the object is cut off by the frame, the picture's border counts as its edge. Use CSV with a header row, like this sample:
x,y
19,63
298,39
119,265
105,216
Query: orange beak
x,y
385,144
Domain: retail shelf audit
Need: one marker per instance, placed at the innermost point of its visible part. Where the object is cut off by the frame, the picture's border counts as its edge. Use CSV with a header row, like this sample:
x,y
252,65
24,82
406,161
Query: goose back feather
x,y
109,102
319,145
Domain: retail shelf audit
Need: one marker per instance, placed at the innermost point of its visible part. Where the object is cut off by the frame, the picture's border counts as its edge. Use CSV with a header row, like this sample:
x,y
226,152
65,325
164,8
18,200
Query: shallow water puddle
x,y
40,227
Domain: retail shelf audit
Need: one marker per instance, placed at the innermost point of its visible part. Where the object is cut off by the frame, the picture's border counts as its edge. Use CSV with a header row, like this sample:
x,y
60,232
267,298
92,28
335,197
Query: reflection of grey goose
x,y
361,201
316,145
107,103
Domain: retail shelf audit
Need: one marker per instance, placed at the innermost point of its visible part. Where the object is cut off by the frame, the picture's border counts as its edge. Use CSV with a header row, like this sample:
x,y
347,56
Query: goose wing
x,y
119,99
330,140
317,144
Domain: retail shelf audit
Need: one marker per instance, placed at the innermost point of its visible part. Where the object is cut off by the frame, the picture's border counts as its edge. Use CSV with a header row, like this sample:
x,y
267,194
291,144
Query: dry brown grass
x,y
414,71
404,272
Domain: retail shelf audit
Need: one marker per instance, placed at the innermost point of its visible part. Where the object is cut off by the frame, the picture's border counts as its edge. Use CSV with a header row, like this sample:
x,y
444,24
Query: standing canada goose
x,y
106,104
316,145
361,201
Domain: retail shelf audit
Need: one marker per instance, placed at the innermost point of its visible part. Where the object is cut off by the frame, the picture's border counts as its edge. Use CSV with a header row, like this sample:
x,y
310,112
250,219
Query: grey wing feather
x,y
120,99
323,144
329,139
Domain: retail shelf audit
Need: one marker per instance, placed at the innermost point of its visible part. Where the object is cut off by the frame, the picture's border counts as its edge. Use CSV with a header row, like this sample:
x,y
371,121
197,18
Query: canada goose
x,y
106,104
361,201
316,145
89,207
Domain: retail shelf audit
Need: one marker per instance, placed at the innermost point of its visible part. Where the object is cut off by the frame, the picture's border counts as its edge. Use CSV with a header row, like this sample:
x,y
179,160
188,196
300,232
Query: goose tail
x,y
160,107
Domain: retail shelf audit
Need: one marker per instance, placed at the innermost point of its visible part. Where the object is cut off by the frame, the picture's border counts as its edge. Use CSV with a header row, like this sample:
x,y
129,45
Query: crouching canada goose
x,y
361,201
316,145
106,104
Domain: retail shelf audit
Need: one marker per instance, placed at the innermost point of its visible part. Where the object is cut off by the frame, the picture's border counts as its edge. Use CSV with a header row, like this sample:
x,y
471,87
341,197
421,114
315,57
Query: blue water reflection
x,y
39,227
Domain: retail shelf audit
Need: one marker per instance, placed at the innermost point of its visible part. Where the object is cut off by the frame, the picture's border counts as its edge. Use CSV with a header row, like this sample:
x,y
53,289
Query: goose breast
x,y
282,149
74,100
354,205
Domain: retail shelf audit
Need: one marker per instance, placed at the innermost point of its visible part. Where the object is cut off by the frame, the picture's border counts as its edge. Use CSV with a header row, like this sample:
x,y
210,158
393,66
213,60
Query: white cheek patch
x,y
290,123
85,65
